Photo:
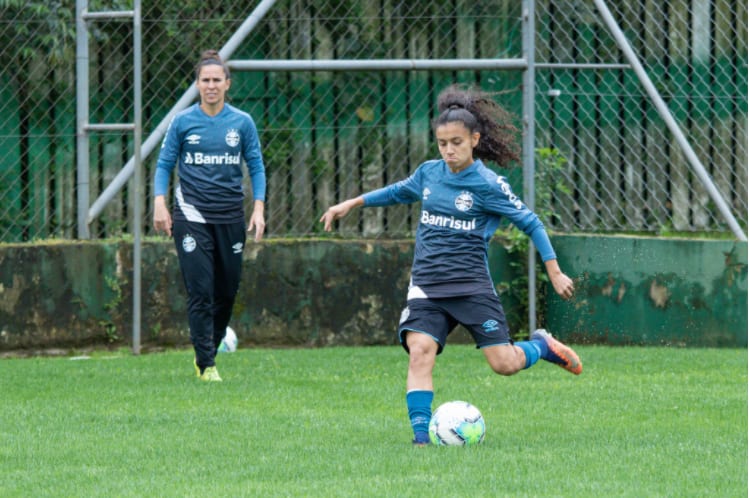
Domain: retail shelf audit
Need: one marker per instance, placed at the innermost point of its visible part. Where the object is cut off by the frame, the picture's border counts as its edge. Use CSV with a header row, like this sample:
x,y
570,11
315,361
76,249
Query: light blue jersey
x,y
459,214
209,151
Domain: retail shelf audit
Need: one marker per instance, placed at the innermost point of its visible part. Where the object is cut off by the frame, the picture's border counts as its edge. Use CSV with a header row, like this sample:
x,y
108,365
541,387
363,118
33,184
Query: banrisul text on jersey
x,y
201,158
447,221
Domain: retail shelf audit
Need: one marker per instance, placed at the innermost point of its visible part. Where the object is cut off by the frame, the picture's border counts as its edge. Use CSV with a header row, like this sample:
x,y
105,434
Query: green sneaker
x,y
210,374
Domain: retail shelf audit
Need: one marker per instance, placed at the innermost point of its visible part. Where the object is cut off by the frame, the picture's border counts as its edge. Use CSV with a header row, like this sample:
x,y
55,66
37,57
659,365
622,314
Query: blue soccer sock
x,y
420,412
533,351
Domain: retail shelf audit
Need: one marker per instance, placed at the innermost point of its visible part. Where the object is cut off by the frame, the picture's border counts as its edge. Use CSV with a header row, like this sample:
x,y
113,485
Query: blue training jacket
x,y
209,152
459,214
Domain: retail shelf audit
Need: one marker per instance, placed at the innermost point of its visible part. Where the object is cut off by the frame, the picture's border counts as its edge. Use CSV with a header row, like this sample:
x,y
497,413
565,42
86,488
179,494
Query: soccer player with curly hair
x,y
462,202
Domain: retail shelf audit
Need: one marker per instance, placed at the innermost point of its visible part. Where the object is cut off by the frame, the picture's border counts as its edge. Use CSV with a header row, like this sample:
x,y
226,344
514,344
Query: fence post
x,y
84,127
81,111
529,139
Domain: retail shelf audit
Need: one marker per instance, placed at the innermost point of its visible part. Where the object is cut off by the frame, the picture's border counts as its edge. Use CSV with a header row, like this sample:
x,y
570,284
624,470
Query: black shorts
x,y
481,315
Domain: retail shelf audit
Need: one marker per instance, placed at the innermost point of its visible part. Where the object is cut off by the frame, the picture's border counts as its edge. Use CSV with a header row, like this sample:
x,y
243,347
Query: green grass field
x,y
640,422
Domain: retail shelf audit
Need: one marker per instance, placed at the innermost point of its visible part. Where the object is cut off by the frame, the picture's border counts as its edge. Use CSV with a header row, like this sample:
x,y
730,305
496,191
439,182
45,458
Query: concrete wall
x,y
309,293
324,292
634,290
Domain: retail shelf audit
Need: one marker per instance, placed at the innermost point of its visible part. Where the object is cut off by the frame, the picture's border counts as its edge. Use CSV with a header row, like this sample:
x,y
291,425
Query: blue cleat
x,y
421,439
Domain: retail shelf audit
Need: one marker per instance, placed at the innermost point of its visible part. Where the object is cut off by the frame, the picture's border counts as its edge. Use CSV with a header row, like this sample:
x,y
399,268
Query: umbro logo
x,y
193,139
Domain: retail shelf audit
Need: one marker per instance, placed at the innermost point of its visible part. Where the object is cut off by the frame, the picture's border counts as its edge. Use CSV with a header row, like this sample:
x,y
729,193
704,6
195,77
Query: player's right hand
x,y
162,220
333,213
339,211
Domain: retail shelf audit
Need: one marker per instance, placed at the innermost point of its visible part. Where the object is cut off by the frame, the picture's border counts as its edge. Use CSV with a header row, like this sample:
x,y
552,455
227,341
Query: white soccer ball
x,y
457,423
229,342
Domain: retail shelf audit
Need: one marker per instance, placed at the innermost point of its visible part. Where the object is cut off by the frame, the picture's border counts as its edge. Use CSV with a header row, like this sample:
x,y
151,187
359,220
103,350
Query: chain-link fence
x,y
606,161
626,169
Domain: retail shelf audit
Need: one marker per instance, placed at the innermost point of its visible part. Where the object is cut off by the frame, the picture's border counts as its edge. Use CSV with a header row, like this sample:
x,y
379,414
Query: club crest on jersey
x,y
464,201
193,139
425,193
232,138
188,243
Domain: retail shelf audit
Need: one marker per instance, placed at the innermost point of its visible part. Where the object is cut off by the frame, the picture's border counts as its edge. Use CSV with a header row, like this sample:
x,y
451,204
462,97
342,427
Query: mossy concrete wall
x,y
635,290
324,292
308,293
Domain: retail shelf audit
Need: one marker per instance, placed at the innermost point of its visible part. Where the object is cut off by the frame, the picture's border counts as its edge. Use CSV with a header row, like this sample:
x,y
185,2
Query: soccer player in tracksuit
x,y
209,141
462,202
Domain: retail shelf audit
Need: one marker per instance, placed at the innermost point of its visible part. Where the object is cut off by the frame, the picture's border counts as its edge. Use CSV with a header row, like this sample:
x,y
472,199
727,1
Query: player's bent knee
x,y
504,360
504,369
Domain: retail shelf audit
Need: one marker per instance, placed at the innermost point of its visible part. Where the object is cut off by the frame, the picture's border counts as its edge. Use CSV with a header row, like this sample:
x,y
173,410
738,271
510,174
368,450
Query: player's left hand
x,y
257,223
333,213
563,285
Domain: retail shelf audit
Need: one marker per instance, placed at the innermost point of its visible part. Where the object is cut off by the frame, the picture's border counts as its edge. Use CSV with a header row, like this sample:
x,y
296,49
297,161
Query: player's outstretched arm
x,y
339,211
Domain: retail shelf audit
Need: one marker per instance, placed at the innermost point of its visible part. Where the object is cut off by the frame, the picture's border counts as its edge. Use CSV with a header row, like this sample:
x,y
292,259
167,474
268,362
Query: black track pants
x,y
210,257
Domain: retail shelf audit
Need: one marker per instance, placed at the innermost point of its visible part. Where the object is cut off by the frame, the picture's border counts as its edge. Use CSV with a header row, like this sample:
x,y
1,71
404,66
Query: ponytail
x,y
211,58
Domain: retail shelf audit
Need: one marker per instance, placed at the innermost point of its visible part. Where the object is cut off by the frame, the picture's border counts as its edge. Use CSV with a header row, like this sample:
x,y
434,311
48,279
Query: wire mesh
x,y
605,155
625,169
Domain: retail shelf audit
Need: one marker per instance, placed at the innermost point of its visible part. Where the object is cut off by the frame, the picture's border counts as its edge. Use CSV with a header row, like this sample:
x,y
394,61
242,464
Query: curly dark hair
x,y
479,112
